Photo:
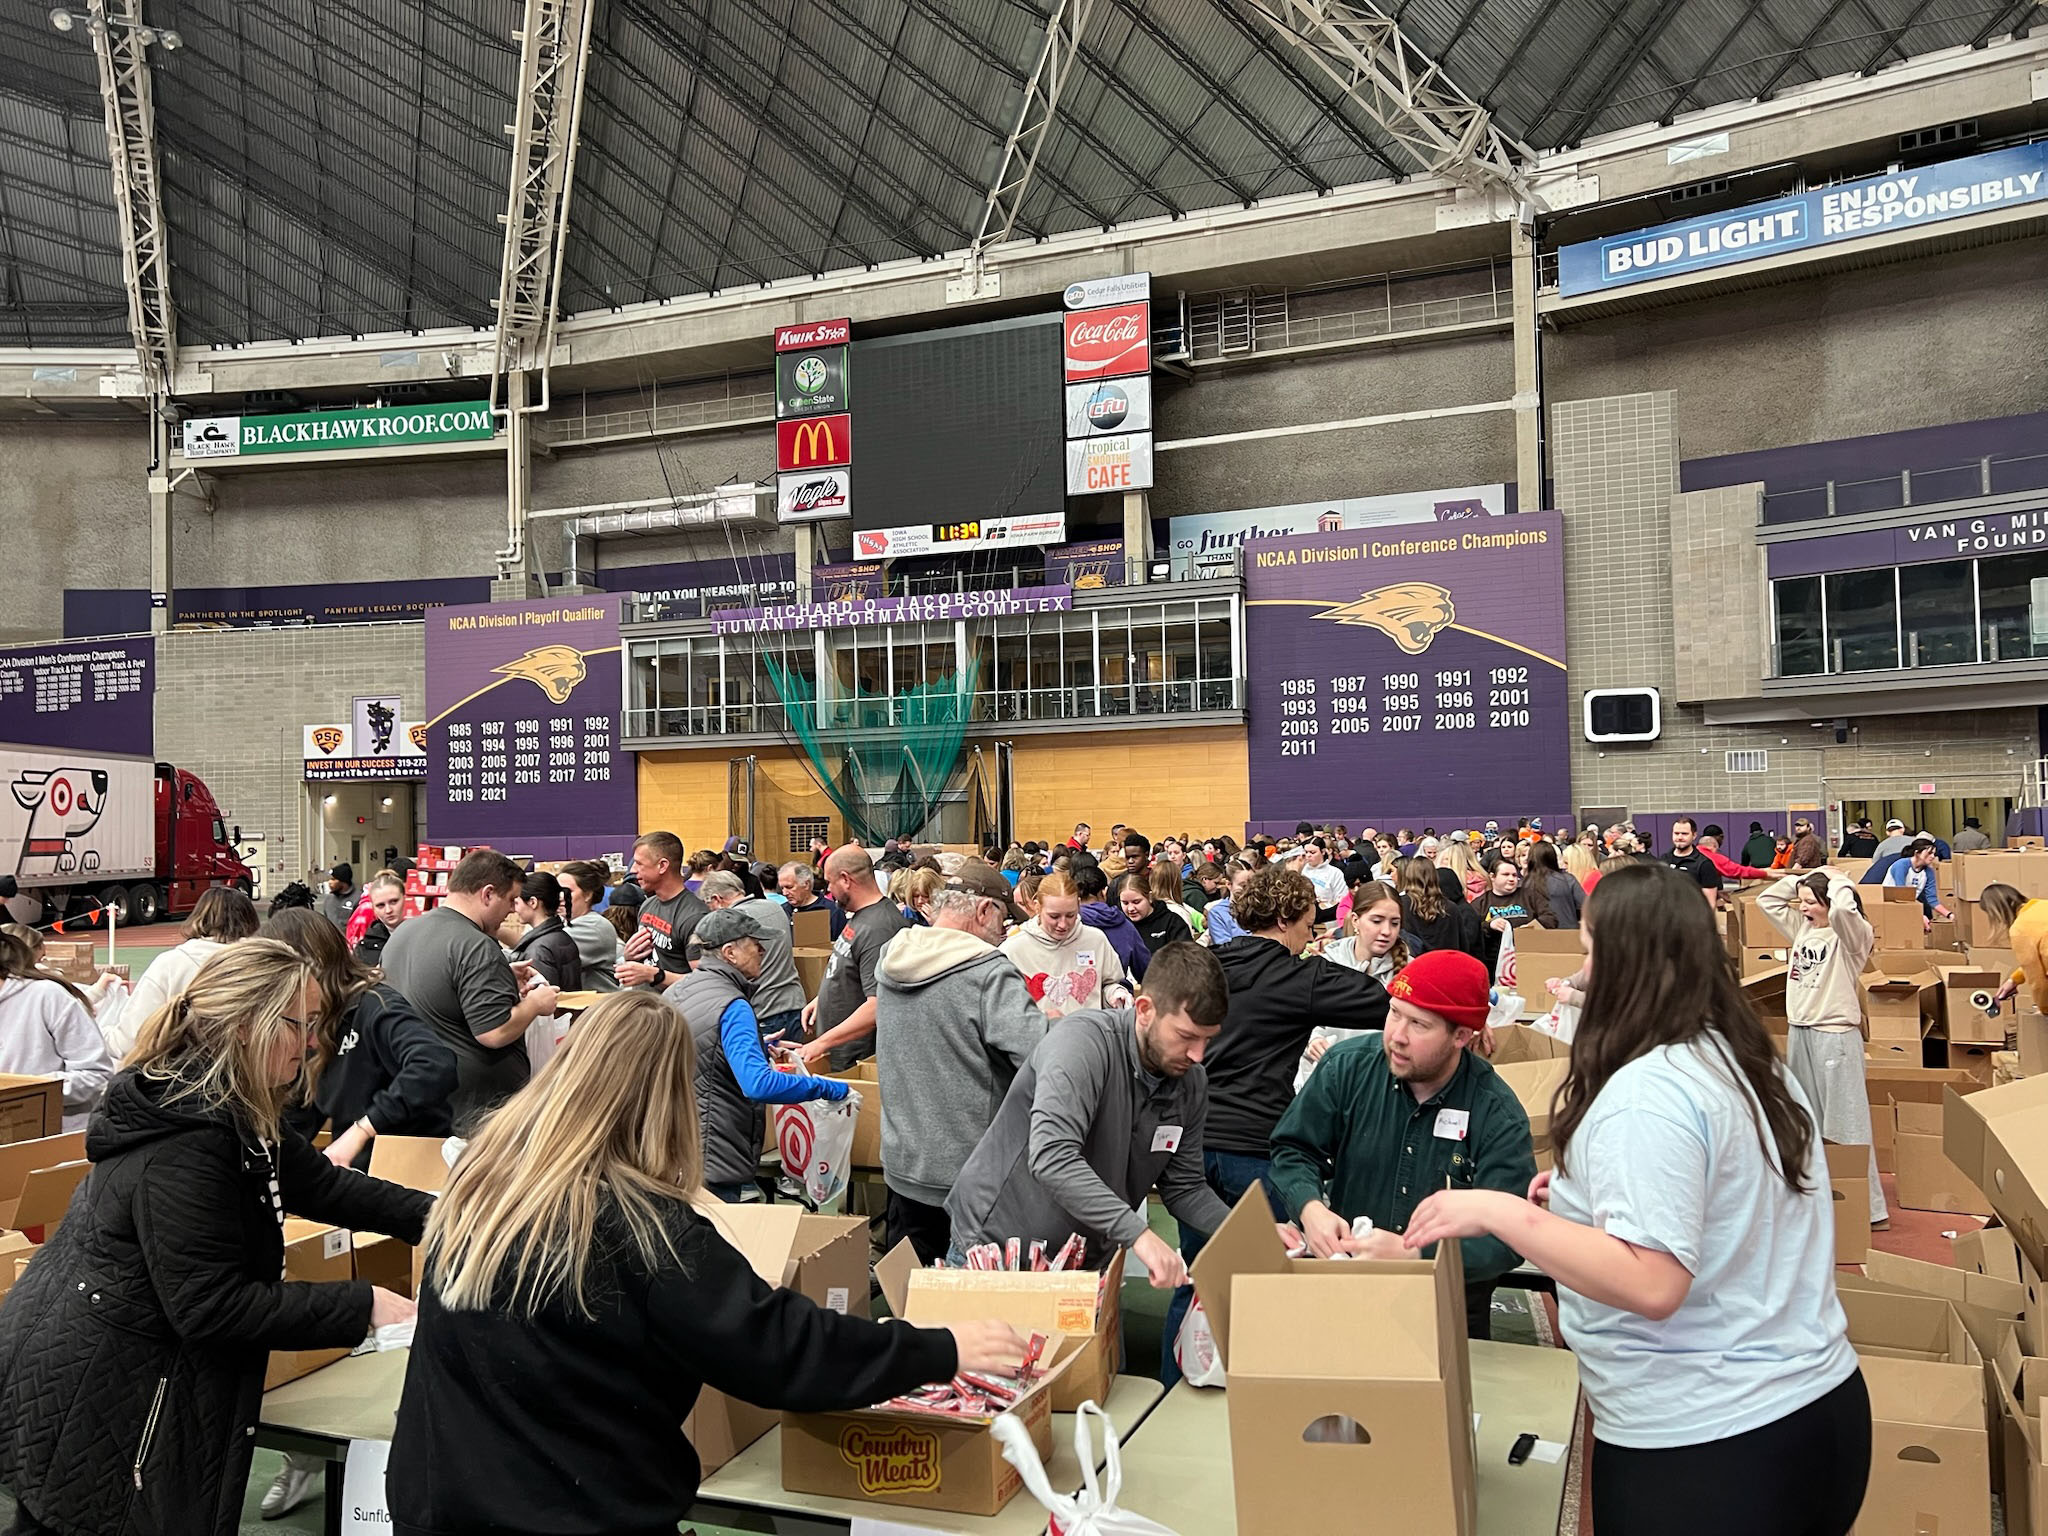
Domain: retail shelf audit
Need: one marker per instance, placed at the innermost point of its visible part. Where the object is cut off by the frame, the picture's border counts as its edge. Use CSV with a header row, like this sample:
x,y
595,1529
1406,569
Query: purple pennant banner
x,y
936,607
99,696
523,726
1409,675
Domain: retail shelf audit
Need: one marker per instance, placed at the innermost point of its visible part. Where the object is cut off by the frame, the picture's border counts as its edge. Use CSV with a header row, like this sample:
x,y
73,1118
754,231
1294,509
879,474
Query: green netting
x,y
885,760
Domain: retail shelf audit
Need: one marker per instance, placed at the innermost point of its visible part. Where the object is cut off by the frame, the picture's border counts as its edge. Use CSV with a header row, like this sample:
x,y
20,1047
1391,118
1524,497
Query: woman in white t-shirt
x,y
1689,1230
46,1029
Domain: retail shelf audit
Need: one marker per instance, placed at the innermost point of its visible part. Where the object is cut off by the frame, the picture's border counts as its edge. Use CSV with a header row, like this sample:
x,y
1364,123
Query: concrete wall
x,y
1951,337
1720,611
231,706
74,503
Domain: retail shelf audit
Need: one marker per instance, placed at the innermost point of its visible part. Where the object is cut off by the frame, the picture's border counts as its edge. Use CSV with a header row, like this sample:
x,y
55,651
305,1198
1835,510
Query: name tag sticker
x,y
1451,1123
1166,1139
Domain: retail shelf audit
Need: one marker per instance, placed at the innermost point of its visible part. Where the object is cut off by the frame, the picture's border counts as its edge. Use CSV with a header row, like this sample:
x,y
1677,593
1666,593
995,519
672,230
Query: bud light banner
x,y
1875,205
1409,675
96,697
523,728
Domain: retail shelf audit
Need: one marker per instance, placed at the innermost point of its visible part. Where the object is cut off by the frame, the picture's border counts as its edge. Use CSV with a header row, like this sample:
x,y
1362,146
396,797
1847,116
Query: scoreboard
x,y
1409,674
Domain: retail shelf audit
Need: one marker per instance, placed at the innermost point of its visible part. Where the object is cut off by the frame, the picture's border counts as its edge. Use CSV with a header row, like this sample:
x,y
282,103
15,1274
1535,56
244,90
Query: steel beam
x,y
1403,90
1057,60
117,44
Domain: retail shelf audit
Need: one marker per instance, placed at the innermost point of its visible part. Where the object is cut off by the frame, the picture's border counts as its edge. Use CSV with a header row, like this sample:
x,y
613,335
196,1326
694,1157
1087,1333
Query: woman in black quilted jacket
x,y
132,1350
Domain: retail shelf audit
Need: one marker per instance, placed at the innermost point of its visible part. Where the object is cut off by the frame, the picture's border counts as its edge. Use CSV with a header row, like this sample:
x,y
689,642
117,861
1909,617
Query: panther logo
x,y
381,720
327,738
554,669
1410,613
62,804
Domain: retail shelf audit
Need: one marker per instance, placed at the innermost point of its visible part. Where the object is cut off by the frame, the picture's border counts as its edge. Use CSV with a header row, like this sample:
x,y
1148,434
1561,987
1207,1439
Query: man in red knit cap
x,y
1389,1118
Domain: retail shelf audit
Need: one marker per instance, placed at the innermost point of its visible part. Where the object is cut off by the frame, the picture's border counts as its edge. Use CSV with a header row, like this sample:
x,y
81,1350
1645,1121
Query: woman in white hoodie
x,y
221,916
1067,965
1831,939
47,1030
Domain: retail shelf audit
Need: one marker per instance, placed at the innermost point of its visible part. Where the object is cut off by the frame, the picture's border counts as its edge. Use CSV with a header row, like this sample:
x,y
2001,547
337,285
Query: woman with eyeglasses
x,y
132,1351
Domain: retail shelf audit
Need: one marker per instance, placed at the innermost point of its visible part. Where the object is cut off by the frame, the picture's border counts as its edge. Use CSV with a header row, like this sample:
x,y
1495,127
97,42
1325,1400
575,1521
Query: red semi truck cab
x,y
192,848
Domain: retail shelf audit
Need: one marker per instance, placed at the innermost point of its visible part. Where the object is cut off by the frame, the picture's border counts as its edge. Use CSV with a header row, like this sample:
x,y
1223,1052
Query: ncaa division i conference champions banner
x,y
1409,675
523,725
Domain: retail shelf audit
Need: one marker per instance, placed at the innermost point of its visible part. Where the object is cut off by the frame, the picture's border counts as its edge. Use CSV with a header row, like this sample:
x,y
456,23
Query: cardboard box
x,y
15,1252
1913,1085
1975,1060
2020,1383
2031,1027
1899,993
1758,961
720,1427
1962,1288
811,930
1533,1064
1883,1138
1898,1053
1930,1460
867,1126
1849,1191
22,1161
1541,955
314,1253
920,1459
31,1107
2000,1138
1990,1251
1900,923
1927,1179
811,961
1349,1381
1965,995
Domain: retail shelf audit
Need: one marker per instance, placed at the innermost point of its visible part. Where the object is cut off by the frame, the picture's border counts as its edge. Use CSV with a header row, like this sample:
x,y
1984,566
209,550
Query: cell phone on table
x,y
1524,1444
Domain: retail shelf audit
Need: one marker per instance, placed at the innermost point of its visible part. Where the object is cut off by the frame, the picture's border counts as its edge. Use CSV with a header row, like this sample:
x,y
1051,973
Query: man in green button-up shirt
x,y
1386,1120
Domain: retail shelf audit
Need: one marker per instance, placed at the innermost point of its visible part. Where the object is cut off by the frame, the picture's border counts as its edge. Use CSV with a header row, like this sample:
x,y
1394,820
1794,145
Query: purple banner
x,y
1918,543
691,589
856,582
936,607
1404,675
1088,564
523,725
95,697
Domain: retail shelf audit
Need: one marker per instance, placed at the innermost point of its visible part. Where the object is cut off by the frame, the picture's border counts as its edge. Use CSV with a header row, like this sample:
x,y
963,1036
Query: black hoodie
x,y
390,1067
132,1351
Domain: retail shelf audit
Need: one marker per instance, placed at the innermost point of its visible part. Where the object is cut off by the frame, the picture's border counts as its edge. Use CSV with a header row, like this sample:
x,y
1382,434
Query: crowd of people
x,y
1059,1033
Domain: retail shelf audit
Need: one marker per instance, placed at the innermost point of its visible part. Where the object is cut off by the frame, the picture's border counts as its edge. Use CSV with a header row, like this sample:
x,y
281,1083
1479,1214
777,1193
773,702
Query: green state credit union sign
x,y
391,426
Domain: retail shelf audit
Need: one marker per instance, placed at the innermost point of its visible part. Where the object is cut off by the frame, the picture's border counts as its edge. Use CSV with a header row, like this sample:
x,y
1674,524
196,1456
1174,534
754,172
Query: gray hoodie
x,y
1084,1135
1823,982
953,1023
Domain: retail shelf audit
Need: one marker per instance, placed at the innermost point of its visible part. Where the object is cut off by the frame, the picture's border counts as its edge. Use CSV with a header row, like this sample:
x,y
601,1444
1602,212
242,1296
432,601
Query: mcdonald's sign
x,y
815,442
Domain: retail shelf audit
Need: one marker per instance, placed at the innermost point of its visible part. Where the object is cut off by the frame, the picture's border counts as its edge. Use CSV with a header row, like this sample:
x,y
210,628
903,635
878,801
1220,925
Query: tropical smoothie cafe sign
x,y
387,426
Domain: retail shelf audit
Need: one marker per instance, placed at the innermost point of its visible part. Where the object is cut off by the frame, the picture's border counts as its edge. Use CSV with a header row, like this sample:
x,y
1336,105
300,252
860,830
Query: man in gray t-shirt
x,y
656,953
843,1015
453,971
779,993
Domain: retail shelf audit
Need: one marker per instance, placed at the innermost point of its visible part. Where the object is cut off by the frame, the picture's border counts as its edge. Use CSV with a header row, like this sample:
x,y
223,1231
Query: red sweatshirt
x,y
1730,870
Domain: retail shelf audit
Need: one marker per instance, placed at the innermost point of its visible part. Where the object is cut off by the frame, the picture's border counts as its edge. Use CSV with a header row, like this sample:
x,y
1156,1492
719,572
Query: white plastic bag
x,y
1331,1033
1507,1007
1093,1511
1194,1349
110,1012
1562,1021
816,1142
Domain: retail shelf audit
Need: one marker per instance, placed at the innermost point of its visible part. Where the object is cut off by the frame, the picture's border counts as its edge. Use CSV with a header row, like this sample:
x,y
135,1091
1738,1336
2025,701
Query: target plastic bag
x,y
815,1139
1093,1511
1562,1021
1194,1349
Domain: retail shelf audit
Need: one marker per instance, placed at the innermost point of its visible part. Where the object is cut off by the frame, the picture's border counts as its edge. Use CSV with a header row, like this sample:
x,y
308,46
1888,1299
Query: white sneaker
x,y
297,1482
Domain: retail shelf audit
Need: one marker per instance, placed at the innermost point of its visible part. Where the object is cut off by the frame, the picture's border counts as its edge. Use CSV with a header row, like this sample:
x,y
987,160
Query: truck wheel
x,y
114,899
144,903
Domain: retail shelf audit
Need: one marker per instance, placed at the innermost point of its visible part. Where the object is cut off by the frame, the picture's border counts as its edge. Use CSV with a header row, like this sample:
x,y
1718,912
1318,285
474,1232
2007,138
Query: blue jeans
x,y
1230,1175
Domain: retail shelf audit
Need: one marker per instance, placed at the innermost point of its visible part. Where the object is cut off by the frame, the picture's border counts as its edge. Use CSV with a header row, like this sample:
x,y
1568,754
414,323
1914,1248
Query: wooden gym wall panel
x,y
685,793
1160,781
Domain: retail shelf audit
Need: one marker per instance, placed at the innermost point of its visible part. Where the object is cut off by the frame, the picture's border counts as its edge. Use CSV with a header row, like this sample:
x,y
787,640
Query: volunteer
x,y
1221,925
953,1024
1691,1236
132,1350
798,884
1915,872
841,1018
1972,838
778,996
1554,896
1374,944
219,917
1091,884
597,942
1111,1106
1685,857
2026,924
575,1303
1157,925
1430,918
1808,851
46,1029
337,902
655,955
1387,1119
449,966
384,900
378,1068
1167,889
1067,966
546,945
1831,939
1326,878
734,1077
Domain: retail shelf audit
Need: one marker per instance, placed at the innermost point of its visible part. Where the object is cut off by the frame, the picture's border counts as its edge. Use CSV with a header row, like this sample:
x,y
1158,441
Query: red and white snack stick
x,y
1011,1251
1038,1253
1068,1256
1033,1348
1002,1393
1080,1260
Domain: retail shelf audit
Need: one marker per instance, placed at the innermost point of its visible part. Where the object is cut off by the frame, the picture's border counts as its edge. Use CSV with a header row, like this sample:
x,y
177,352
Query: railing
x,y
1123,701
1992,475
1224,565
562,430
1228,325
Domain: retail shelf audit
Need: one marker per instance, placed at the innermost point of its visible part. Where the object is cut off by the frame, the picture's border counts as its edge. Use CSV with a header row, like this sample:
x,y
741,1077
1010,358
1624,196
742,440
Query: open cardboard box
x,y
1900,920
1541,955
37,1179
1849,1193
2021,1380
1930,1454
1977,1060
1898,993
1961,988
31,1106
417,1162
921,1459
1349,1381
1988,1307
1533,1063
867,1125
315,1253
1927,1178
1999,1137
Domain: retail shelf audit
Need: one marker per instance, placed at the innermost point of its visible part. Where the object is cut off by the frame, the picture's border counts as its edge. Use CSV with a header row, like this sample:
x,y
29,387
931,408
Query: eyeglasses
x,y
303,1024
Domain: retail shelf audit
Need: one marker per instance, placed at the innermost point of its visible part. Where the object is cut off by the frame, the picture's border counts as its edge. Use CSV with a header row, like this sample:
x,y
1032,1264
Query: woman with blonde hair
x,y
1580,864
220,917
1458,859
132,1351
575,1286
1429,918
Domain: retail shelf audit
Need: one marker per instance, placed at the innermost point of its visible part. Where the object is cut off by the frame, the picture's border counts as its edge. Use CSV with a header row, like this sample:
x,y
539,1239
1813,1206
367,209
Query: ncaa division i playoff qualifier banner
x,y
1405,675
523,724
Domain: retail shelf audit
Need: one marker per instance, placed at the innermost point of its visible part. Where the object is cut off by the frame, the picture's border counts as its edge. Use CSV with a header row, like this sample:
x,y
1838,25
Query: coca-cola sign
x,y
817,333
814,496
1108,343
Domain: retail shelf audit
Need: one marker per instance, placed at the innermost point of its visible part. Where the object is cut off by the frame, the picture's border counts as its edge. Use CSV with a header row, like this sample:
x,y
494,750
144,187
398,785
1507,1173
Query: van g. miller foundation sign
x,y
392,426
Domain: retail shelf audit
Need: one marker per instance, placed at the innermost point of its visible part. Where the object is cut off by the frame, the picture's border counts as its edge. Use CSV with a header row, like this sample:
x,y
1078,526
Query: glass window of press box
x,y
1944,614
1126,661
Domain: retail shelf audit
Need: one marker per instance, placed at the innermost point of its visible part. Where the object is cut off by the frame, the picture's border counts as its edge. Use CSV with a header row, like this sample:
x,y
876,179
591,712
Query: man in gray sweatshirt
x,y
779,995
1109,1108
953,1023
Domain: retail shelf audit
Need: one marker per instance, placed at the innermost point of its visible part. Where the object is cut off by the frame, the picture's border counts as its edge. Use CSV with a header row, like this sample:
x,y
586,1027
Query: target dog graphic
x,y
63,804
